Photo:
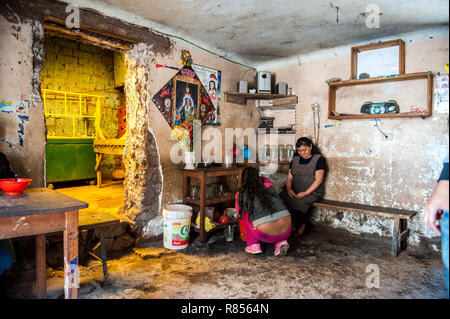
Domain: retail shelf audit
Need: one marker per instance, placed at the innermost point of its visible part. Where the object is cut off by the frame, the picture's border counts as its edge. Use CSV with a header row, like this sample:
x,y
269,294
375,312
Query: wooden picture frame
x,y
186,91
377,46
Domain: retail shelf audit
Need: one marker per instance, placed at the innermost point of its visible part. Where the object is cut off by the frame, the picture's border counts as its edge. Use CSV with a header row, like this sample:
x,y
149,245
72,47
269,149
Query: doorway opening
x,y
82,88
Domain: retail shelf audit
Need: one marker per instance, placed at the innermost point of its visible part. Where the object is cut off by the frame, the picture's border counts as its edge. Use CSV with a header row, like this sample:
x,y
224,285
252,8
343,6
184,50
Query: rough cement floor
x,y
324,263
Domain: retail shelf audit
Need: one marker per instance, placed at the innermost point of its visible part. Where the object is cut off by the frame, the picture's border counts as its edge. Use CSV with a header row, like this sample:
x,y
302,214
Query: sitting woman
x,y
264,215
303,183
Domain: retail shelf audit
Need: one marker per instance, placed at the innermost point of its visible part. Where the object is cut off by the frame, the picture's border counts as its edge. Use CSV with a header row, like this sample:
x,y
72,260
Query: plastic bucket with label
x,y
177,223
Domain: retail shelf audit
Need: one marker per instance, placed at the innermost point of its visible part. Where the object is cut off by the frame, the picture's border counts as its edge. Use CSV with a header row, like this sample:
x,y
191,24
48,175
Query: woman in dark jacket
x,y
304,182
266,218
6,249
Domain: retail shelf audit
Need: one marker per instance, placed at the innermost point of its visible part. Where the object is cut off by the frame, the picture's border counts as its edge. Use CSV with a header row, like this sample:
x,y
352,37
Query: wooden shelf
x,y
211,201
269,162
399,77
219,226
377,116
278,107
278,99
267,130
333,86
203,174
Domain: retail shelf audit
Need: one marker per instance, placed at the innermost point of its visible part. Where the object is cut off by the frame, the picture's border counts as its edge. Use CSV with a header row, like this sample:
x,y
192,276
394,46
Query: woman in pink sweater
x,y
266,218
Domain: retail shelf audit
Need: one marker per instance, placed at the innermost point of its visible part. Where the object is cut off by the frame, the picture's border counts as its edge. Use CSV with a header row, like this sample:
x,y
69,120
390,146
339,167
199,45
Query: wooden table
x,y
106,146
202,174
35,213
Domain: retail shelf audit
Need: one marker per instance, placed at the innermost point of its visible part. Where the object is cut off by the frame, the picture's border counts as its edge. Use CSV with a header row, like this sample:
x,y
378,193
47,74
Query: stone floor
x,y
324,263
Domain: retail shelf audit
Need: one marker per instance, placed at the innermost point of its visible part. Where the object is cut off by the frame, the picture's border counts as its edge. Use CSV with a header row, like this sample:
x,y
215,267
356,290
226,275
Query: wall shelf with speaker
x,y
277,99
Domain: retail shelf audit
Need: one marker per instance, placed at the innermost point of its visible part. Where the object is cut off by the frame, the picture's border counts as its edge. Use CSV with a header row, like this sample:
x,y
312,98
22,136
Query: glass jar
x,y
273,153
261,154
282,156
267,151
290,151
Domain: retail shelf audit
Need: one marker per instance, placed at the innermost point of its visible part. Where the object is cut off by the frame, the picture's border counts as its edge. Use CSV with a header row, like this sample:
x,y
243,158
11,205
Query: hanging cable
x,y
316,117
384,134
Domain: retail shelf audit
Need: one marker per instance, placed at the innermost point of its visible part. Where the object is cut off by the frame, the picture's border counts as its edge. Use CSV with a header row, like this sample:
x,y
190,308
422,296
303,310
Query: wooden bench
x,y
94,222
401,216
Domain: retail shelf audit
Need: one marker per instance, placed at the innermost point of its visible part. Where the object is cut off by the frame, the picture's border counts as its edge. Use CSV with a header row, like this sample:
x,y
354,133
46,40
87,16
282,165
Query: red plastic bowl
x,y
12,186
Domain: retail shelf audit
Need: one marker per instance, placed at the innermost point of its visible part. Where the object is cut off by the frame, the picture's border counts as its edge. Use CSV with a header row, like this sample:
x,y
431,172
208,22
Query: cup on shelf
x,y
228,233
194,192
220,190
209,212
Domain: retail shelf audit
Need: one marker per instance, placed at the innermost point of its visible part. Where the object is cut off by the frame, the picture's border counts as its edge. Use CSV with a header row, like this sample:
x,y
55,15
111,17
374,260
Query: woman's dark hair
x,y
304,141
252,188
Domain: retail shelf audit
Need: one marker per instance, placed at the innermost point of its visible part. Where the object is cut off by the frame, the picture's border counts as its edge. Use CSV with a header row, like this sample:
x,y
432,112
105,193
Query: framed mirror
x,y
378,59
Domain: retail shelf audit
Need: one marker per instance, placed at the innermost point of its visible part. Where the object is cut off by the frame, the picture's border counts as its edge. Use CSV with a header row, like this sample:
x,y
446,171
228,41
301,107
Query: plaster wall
x,y
363,168
22,138
231,115
152,177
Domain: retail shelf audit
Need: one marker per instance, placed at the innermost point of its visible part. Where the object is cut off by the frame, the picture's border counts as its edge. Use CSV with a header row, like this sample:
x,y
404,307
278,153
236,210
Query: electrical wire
x,y
196,45
316,117
384,134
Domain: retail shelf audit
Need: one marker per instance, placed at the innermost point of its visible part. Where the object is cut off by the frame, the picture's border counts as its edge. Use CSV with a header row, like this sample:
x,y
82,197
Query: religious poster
x,y
182,96
185,99
441,98
212,81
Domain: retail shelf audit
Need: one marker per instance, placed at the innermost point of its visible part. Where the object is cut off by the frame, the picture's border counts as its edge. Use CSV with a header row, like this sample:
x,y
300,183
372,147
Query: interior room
x,y
216,150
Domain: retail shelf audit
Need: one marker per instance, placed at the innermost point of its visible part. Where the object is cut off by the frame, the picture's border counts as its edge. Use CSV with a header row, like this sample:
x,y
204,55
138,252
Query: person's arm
x,y
289,185
438,201
317,181
435,205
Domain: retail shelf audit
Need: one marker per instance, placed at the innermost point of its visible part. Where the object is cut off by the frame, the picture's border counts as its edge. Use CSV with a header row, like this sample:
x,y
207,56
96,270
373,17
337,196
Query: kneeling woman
x,y
264,215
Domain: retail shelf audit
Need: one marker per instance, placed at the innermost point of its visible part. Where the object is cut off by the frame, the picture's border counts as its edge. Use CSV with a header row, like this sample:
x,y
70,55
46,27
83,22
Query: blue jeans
x,y
6,255
444,232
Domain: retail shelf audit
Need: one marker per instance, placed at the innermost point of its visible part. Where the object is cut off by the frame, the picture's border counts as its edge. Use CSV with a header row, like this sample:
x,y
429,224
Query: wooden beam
x,y
12,227
354,63
395,237
85,37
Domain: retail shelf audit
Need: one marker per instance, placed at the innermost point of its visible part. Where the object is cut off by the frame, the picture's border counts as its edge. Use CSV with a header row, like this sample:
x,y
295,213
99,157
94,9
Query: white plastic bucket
x,y
177,222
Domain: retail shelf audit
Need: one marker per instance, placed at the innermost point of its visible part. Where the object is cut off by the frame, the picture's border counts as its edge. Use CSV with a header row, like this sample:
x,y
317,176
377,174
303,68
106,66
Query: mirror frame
x,y
376,46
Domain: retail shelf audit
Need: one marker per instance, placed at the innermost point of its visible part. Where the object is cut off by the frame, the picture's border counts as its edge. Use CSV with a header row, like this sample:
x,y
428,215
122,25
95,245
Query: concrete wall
x,y
362,168
22,134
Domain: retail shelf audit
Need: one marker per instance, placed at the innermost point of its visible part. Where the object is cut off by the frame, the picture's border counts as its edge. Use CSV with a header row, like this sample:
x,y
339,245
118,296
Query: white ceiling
x,y
258,31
